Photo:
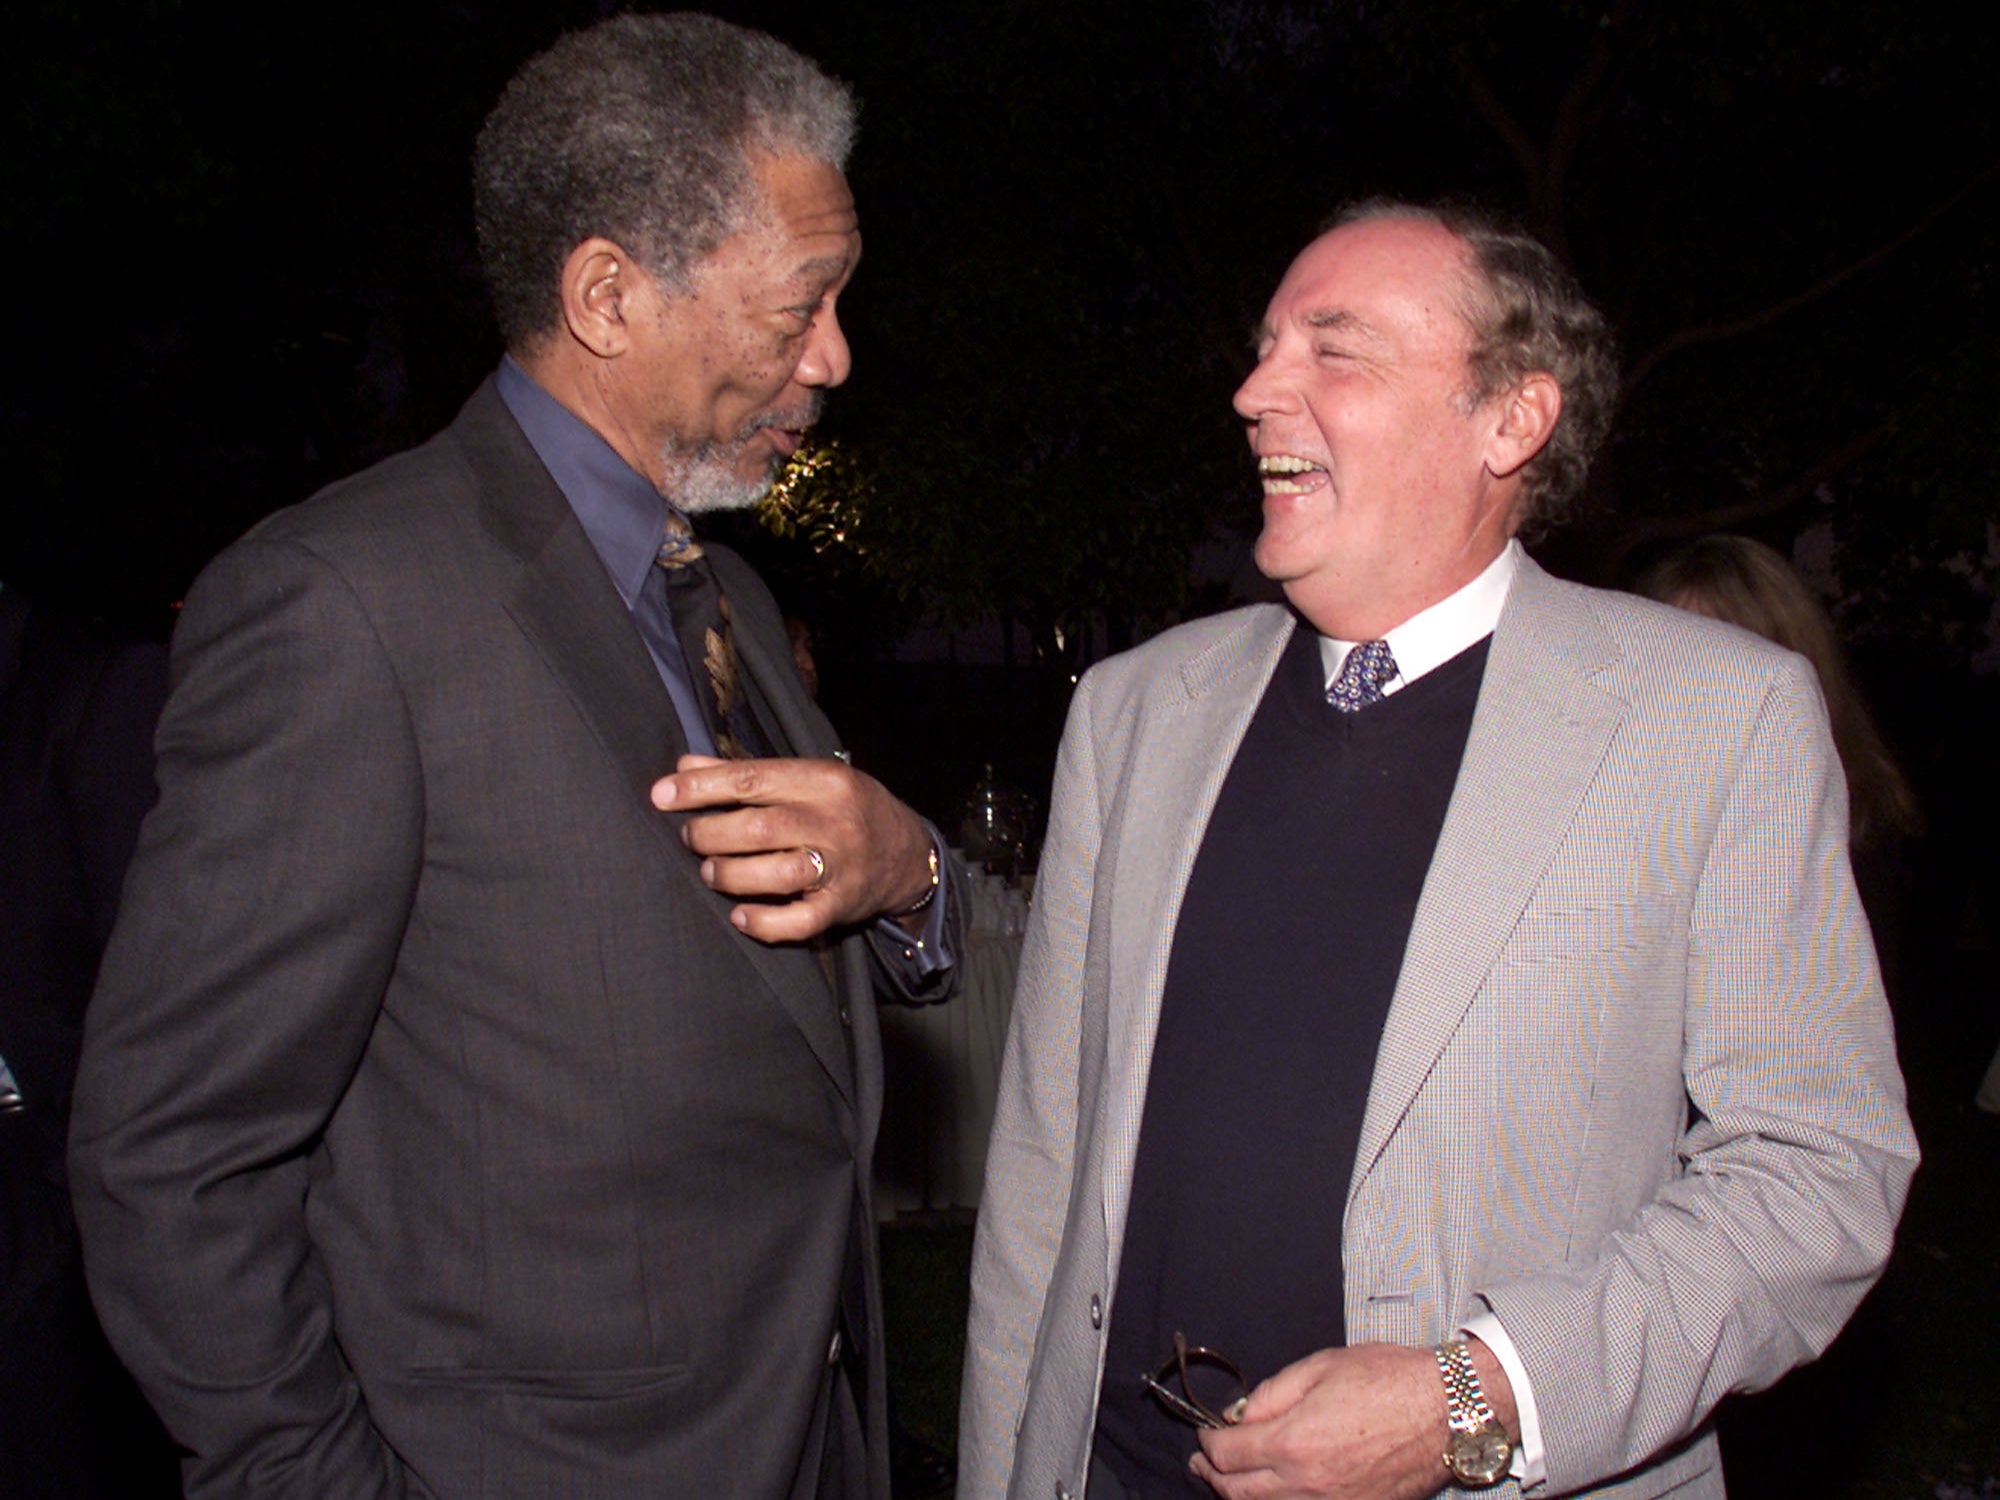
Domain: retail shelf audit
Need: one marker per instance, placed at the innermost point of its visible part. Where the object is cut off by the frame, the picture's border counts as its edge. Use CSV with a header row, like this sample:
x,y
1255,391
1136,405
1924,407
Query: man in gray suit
x,y
1446,1000
470,1108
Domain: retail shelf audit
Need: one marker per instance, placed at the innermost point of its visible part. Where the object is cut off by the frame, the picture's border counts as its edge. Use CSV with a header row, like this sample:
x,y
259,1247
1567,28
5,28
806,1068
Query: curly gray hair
x,y
637,129
1528,315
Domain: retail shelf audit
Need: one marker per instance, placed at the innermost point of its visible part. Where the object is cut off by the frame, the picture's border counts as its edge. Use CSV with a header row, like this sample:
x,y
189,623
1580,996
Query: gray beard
x,y
703,478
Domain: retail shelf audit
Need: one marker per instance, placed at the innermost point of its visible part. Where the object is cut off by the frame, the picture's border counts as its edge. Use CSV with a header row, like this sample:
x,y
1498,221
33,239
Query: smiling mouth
x,y
1288,474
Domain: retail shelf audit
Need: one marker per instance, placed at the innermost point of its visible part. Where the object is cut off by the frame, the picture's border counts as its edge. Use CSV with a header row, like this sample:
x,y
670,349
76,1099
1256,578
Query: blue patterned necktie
x,y
1359,684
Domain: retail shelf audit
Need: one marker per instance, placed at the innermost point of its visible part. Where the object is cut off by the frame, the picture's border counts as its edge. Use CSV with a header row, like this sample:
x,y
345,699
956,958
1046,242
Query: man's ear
x,y
1527,419
602,289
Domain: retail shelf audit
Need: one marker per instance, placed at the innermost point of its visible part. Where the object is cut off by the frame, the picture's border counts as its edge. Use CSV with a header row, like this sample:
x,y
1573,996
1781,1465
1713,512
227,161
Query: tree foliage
x,y
1073,217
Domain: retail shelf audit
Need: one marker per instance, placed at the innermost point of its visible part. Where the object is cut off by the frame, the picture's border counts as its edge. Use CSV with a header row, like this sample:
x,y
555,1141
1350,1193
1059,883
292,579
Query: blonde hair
x,y
1746,583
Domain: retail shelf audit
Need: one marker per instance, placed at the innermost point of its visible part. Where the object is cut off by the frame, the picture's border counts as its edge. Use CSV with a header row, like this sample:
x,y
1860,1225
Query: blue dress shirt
x,y
626,520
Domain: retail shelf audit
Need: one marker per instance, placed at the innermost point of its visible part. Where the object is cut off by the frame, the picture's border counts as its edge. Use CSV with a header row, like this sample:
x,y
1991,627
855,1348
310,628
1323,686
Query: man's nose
x,y
826,360
1260,394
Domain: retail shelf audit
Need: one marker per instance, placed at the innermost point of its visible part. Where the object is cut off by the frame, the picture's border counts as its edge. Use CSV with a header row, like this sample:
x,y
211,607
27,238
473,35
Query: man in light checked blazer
x,y
1446,998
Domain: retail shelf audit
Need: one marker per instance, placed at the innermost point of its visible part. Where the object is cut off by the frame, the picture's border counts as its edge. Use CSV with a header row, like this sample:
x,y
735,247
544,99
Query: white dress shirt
x,y
1432,637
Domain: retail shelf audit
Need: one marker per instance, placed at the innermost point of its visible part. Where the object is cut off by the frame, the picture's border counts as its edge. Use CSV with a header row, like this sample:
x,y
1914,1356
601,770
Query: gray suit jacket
x,y
1637,1089
436,1133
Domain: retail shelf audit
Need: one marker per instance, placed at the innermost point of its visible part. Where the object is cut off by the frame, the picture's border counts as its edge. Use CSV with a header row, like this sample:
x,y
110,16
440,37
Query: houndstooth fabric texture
x,y
1638,1087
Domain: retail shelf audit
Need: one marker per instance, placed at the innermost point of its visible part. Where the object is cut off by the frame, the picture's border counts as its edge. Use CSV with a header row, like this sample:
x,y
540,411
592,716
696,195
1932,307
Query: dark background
x,y
242,267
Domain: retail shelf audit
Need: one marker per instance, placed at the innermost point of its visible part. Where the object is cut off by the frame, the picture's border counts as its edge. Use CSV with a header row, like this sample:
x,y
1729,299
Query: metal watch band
x,y
1480,1452
1465,1398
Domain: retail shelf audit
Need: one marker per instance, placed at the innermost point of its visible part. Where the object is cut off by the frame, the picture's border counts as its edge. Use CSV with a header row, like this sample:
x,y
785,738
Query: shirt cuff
x,y
1528,1465
915,959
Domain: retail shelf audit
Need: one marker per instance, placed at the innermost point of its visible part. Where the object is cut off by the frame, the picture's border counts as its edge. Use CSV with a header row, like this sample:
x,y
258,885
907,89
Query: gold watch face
x,y
1481,1456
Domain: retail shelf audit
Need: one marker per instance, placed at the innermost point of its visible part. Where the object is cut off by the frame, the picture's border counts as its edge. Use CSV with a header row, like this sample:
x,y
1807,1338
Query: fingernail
x,y
663,794
740,919
708,872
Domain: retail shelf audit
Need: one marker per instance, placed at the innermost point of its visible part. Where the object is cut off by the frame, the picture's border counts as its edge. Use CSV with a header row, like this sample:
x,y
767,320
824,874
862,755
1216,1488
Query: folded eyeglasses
x,y
1173,1385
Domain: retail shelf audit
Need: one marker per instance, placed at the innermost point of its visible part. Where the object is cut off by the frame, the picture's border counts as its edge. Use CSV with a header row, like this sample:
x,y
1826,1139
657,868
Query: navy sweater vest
x,y
1285,958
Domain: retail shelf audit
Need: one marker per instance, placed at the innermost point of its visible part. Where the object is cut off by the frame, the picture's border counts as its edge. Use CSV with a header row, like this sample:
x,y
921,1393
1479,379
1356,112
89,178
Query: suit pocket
x,y
550,1434
1552,934
556,1385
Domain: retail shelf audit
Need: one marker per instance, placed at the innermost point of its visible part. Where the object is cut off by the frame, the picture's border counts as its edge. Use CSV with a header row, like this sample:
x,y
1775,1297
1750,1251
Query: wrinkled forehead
x,y
800,233
1384,280
802,194
806,209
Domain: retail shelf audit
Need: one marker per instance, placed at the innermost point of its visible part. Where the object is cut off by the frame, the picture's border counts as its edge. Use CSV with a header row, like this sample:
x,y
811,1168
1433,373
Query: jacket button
x,y
1096,1312
1062,1491
846,1016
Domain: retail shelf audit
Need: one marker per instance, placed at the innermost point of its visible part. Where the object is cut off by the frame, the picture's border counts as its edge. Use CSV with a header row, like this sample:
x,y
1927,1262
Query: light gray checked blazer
x,y
1637,1089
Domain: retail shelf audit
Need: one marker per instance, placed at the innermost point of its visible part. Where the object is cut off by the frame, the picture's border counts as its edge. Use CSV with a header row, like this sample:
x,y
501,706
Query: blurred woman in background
x,y
1746,583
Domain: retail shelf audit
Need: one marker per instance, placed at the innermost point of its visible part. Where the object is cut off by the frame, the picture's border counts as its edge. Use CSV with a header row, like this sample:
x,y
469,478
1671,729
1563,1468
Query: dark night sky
x,y
243,268
244,263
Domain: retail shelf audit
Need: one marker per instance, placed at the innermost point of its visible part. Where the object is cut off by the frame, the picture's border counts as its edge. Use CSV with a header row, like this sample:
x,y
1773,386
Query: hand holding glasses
x,y
1173,1386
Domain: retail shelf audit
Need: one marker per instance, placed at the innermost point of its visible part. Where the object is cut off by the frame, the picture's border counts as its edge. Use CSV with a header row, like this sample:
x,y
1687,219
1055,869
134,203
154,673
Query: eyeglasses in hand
x,y
1173,1385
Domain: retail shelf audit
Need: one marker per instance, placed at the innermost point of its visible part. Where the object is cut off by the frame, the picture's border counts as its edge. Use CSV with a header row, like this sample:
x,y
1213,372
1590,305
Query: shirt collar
x,y
622,514
1433,636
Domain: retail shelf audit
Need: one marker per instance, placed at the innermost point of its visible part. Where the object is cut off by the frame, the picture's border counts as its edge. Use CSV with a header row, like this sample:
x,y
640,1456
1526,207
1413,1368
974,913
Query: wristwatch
x,y
1479,1452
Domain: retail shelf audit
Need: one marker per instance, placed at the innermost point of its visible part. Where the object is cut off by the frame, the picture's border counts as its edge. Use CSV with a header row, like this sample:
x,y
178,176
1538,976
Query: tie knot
x,y
1359,684
678,546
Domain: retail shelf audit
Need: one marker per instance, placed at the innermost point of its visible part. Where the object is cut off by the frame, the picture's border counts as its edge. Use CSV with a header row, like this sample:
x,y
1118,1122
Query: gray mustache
x,y
793,418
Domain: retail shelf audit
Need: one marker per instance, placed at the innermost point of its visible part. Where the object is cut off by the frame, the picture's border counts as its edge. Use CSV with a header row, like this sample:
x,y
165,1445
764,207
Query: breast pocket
x,y
1561,932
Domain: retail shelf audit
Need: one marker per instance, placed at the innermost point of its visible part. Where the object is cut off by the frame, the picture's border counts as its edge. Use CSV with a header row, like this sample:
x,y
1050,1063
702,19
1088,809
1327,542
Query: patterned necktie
x,y
1359,684
701,621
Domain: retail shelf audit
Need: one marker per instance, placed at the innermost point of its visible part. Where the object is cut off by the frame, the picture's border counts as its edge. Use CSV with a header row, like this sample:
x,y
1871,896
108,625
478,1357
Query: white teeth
x,y
1284,463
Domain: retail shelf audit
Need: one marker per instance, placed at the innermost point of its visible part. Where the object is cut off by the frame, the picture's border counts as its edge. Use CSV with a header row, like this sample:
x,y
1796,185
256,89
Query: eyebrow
x,y
823,267
1338,319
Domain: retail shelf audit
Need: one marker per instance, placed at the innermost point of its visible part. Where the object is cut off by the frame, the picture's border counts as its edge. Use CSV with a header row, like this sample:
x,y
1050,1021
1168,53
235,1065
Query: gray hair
x,y
1528,316
638,129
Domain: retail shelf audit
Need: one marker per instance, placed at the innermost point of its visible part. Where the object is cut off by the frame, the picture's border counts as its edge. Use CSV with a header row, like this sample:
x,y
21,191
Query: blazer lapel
x,y
766,659
795,973
1193,734
567,607
1538,734
562,600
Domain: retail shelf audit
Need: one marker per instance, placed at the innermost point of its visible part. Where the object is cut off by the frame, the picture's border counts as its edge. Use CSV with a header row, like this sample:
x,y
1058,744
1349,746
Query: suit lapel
x,y
766,659
1539,732
567,607
562,600
798,974
1187,744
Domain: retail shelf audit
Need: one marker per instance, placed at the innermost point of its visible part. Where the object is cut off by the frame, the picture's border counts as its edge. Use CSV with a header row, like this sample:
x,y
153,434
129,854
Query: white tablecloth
x,y
942,1068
